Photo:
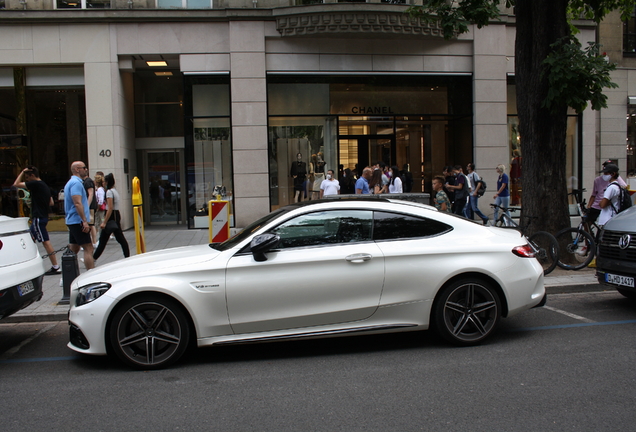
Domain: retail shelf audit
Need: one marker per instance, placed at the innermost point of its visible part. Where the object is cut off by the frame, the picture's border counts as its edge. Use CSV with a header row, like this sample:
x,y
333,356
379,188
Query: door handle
x,y
358,258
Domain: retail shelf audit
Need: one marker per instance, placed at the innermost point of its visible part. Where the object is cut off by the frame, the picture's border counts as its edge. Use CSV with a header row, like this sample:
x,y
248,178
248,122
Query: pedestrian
x,y
449,179
100,196
362,184
77,212
502,197
41,202
89,185
473,200
395,183
329,186
441,201
407,177
112,220
461,189
348,183
376,184
611,197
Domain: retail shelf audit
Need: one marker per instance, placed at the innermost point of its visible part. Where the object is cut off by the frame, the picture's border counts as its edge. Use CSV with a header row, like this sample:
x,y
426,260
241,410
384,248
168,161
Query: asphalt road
x,y
569,366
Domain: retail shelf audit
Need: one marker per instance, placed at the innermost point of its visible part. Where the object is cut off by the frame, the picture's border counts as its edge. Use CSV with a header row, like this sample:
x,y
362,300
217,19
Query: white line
x,y
7,355
571,315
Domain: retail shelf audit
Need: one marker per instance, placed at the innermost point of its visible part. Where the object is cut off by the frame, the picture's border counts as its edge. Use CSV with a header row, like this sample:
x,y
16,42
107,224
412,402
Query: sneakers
x,y
582,251
53,271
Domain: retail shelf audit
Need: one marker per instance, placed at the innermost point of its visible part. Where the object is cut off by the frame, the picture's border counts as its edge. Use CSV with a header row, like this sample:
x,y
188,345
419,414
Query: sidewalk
x,y
162,237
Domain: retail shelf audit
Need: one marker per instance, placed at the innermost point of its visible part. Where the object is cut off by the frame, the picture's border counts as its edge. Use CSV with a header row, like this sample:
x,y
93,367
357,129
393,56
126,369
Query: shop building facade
x,y
236,96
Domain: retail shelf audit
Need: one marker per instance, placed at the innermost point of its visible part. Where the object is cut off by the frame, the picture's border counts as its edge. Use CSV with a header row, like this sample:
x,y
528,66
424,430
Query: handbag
x,y
103,206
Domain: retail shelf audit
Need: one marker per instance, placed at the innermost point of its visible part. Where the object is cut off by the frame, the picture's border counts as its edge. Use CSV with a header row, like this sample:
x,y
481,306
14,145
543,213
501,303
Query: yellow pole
x,y
138,216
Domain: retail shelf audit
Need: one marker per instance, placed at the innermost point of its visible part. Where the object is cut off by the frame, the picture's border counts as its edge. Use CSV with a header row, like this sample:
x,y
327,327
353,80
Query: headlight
x,y
88,293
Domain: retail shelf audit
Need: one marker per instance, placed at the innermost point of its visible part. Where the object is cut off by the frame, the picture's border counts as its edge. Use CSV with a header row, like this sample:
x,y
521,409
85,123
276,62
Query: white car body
x,y
313,291
21,267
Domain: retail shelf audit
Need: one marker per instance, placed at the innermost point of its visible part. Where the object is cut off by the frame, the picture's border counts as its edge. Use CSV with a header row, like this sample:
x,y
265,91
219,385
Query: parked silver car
x,y
616,260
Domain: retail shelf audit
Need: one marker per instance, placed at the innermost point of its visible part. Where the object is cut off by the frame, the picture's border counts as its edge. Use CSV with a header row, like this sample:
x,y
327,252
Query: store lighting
x,y
164,73
156,63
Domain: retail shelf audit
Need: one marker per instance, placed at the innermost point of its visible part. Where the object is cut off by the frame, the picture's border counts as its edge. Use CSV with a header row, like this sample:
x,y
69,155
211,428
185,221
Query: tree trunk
x,y
539,24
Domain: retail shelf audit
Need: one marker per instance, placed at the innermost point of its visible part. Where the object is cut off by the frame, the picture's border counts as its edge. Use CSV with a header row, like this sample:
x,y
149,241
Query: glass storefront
x,y
419,123
631,142
53,121
514,167
209,172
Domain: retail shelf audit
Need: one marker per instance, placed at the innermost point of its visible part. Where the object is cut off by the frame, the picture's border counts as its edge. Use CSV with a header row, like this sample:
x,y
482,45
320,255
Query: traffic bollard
x,y
70,270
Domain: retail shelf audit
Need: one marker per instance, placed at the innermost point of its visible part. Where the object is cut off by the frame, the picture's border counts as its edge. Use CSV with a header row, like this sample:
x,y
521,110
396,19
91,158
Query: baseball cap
x,y
610,168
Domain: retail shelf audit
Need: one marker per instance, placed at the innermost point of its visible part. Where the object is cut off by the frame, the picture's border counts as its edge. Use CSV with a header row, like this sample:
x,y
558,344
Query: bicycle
x,y
543,243
578,244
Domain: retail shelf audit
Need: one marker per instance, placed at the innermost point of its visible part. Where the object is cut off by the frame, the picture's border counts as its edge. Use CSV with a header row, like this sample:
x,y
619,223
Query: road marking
x,y
552,327
39,359
9,353
571,315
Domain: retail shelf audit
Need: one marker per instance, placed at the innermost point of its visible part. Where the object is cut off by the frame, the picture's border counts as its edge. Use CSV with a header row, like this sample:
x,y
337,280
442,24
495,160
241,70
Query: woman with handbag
x,y
112,220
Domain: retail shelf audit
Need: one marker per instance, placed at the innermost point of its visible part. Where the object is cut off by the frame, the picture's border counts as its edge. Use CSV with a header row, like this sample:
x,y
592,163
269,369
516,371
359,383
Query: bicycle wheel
x,y
504,221
546,248
577,248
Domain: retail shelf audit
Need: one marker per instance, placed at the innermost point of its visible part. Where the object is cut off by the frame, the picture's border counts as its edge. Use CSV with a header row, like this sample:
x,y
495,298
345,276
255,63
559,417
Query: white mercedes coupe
x,y
315,269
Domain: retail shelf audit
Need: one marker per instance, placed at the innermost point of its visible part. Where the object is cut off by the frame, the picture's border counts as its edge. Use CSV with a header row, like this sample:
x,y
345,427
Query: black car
x,y
616,260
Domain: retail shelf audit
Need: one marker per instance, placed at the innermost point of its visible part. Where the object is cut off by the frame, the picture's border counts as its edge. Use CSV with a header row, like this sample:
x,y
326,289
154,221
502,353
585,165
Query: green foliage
x,y
597,9
576,76
454,17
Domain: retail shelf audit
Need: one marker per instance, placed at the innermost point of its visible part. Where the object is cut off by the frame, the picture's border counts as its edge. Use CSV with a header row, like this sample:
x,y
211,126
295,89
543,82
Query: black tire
x,y
149,333
547,250
466,312
571,242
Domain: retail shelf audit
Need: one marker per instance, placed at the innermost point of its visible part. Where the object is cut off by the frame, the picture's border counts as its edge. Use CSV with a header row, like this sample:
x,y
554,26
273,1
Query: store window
x,y
208,146
184,4
82,4
418,123
514,165
158,104
629,35
631,142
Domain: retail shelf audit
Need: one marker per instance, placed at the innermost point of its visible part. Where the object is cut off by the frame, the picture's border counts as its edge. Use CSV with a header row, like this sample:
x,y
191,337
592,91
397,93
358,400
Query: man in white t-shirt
x,y
611,197
329,186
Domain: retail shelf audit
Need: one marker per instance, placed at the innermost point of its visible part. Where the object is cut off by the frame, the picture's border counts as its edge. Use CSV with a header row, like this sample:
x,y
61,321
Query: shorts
x,y
592,214
38,229
77,236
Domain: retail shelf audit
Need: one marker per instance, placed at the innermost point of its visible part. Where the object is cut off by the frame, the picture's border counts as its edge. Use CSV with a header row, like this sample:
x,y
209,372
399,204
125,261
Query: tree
x,y
552,73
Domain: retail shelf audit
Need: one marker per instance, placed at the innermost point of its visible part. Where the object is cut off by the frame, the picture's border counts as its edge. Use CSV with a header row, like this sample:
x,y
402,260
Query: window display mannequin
x,y
298,172
319,174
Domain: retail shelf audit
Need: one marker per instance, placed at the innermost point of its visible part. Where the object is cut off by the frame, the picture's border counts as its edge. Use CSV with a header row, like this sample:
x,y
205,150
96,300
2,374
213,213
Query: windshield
x,y
249,230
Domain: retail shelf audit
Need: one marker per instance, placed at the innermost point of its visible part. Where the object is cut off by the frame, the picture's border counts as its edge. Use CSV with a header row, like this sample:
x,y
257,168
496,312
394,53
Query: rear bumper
x,y
13,299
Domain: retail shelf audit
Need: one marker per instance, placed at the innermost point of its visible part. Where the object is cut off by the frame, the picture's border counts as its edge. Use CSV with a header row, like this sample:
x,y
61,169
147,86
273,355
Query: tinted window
x,y
329,227
397,226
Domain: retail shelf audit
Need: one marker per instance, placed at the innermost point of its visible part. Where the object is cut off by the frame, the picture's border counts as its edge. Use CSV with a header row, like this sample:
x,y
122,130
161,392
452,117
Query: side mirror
x,y
262,244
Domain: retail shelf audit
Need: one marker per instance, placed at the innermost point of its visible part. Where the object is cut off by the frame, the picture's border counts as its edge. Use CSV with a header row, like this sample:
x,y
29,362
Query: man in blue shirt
x,y
362,184
77,214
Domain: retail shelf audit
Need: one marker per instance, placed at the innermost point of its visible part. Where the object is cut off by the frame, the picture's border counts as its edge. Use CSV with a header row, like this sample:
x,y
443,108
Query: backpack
x,y
624,200
482,189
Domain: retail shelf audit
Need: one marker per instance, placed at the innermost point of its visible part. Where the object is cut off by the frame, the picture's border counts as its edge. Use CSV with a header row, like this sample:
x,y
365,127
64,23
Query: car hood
x,y
624,221
163,261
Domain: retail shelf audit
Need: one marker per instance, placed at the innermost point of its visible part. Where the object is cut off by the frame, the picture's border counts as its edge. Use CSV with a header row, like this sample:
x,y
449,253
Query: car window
x,y
400,226
326,227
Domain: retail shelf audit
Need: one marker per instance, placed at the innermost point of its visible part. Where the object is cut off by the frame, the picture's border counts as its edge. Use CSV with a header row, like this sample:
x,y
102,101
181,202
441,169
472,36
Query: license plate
x,y
25,288
619,280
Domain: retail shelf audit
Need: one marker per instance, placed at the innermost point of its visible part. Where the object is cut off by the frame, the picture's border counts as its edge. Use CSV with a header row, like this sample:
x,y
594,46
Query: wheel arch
x,y
478,276
144,295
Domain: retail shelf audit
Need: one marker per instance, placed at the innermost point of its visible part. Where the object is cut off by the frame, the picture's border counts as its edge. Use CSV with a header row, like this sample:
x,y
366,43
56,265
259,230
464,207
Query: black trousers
x,y
112,227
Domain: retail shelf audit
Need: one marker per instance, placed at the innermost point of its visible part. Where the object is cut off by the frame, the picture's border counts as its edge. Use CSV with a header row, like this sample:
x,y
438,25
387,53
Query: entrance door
x,y
165,196
367,150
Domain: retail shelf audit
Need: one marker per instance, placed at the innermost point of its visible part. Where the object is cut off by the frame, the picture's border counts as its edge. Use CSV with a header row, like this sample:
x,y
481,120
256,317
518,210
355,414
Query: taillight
x,y
524,251
1,244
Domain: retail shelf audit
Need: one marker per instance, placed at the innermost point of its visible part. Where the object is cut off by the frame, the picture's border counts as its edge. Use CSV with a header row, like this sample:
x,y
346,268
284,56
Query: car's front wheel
x,y
150,332
466,312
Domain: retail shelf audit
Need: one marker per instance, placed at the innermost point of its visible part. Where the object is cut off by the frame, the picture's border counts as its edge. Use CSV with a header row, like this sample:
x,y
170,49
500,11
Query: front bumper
x,y
88,326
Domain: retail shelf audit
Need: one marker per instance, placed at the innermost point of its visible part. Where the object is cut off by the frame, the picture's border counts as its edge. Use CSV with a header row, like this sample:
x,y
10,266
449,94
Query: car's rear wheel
x,y
466,312
150,332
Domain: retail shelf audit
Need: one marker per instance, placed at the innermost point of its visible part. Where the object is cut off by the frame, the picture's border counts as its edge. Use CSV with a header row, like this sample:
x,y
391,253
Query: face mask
x,y
607,177
328,176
